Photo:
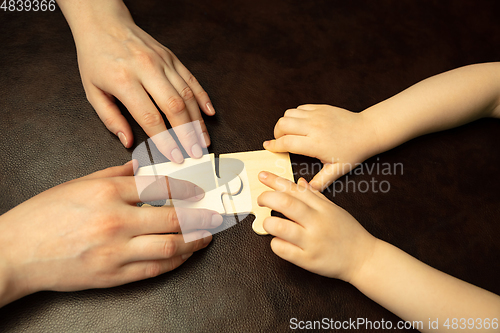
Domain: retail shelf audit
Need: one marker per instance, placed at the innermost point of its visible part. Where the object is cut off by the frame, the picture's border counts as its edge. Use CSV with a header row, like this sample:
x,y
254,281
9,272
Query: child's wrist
x,y
382,137
361,273
374,141
366,258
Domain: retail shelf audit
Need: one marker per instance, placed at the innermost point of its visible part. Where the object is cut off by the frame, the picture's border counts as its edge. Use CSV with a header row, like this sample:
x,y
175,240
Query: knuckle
x,y
287,202
287,142
109,121
202,95
153,269
187,94
164,54
280,123
121,76
109,226
169,248
206,220
191,79
172,218
145,59
280,228
199,244
106,190
175,105
202,124
190,133
151,119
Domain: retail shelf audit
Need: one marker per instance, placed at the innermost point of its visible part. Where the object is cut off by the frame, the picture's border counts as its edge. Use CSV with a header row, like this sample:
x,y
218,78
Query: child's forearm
x,y
417,292
440,102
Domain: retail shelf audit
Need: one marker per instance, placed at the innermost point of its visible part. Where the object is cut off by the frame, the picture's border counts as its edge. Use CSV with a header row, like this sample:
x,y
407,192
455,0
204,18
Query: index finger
x,y
151,188
298,192
291,200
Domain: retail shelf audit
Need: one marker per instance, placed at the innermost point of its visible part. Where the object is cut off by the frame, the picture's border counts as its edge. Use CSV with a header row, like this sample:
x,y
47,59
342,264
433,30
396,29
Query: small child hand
x,y
320,236
337,137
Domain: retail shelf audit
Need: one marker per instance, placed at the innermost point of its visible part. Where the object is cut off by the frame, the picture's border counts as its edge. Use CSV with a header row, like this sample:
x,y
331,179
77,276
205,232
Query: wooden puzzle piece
x,y
238,188
255,162
202,173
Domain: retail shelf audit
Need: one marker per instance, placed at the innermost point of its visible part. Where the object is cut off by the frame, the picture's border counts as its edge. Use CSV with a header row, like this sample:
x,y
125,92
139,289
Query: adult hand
x,y
117,59
320,236
339,138
89,233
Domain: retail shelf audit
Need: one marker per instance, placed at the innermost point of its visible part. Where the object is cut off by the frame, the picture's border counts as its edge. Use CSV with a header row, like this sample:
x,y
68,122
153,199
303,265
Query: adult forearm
x,y
83,15
417,292
440,102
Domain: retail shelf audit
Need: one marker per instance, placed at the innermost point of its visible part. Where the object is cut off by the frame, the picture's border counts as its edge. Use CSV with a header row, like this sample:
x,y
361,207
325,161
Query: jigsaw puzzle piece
x,y
212,199
237,189
202,173
241,203
255,162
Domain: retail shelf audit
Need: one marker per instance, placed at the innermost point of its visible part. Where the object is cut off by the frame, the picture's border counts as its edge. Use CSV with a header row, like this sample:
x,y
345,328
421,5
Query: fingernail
x,y
199,193
206,237
186,255
210,108
128,162
266,143
216,220
196,151
204,139
177,156
263,175
123,139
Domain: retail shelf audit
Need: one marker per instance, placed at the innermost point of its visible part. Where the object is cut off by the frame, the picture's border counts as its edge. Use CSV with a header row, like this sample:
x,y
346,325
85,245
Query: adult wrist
x,y
8,290
83,16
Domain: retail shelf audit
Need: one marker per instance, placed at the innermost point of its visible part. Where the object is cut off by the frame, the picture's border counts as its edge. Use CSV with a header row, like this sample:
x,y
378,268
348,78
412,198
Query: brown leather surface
x,y
256,59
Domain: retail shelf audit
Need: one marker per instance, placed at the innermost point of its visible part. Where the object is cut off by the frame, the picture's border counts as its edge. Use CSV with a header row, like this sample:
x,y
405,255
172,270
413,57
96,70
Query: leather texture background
x,y
256,59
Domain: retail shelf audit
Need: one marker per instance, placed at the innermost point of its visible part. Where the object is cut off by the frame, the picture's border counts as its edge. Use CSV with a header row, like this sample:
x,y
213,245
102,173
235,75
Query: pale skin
x,y
341,138
89,233
118,60
323,238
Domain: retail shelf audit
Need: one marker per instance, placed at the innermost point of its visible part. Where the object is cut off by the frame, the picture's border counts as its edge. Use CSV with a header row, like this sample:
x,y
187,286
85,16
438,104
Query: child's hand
x,y
321,237
338,138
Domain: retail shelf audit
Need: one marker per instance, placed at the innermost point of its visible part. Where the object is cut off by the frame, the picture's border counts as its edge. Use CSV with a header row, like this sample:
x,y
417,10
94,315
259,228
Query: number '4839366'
x,y
28,5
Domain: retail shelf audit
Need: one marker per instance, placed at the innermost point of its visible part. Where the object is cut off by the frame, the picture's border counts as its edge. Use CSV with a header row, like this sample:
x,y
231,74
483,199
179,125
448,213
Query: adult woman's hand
x,y
117,59
89,233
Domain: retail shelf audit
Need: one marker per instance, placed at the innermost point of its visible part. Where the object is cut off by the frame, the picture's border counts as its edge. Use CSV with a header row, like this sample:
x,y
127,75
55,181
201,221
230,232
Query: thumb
x,y
302,182
327,175
126,169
